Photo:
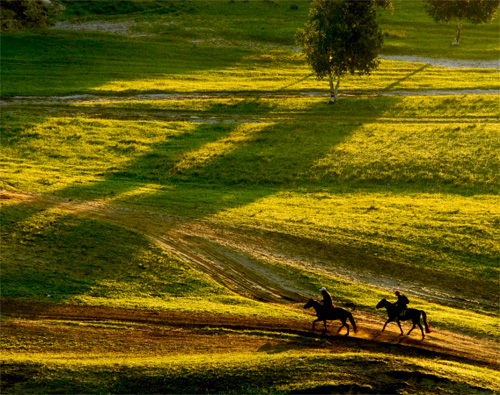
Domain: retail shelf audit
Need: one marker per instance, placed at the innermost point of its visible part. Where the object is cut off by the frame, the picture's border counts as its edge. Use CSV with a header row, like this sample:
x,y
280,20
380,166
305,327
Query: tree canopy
x,y
473,11
342,36
26,14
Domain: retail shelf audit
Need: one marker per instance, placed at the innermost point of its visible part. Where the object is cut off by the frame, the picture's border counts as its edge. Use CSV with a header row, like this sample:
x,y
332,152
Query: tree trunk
x,y
458,34
334,89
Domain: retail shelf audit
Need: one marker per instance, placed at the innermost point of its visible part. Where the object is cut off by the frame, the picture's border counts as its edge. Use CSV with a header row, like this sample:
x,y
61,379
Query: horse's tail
x,y
351,318
427,326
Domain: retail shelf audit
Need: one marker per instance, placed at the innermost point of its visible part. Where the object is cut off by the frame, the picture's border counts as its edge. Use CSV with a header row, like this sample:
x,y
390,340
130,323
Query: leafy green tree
x,y
342,36
474,11
26,14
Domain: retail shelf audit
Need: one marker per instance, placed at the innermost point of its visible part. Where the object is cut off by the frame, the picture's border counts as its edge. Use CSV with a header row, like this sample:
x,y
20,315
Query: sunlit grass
x,y
410,180
199,70
453,153
254,372
403,187
403,108
225,146
50,256
452,234
211,304
421,141
283,72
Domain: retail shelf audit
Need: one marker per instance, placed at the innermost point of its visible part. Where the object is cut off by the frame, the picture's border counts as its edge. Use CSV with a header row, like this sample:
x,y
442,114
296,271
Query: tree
x,y
26,14
474,11
342,36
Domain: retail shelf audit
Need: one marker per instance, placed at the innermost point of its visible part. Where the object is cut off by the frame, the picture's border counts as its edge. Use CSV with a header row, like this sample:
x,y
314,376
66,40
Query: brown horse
x,y
411,314
336,313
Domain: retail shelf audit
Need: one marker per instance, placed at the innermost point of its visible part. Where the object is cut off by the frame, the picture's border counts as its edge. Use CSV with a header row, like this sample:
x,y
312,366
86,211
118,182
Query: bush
x,y
26,14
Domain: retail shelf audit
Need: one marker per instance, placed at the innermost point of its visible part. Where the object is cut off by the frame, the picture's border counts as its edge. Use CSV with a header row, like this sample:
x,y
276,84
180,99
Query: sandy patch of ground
x,y
449,63
117,27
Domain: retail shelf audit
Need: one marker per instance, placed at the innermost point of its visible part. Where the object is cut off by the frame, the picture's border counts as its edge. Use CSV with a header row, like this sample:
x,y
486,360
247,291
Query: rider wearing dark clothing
x,y
327,299
401,303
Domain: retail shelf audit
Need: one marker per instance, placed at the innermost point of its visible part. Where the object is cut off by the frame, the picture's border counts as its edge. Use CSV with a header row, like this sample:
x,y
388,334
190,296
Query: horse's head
x,y
382,303
310,303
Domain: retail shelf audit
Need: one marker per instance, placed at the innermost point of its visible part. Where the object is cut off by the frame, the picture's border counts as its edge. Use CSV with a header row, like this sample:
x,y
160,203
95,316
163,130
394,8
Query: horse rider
x,y
327,300
401,303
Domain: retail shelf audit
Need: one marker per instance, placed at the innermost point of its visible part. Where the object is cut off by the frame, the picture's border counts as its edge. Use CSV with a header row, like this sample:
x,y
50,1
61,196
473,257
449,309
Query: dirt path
x,y
40,320
213,251
87,98
448,63
239,259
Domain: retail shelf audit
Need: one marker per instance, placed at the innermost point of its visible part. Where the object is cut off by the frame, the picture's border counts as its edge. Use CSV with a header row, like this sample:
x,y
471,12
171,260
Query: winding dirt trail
x,y
214,251
88,98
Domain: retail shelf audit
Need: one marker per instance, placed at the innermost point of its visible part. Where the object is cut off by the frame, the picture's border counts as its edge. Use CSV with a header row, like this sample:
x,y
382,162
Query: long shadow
x,y
406,77
63,63
218,166
51,257
242,162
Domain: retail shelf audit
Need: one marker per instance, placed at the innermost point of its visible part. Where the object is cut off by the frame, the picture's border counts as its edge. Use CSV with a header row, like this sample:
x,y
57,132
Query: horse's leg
x,y
324,322
314,323
343,324
401,329
421,330
389,320
413,327
347,326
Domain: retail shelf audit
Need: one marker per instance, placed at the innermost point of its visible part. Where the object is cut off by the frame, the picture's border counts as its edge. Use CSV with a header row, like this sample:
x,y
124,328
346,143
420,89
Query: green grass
x,y
38,69
226,56
53,257
47,252
365,150
246,372
408,30
373,185
50,256
416,189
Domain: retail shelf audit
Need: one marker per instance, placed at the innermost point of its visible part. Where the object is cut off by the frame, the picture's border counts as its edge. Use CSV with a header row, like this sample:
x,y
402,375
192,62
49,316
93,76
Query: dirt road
x,y
214,251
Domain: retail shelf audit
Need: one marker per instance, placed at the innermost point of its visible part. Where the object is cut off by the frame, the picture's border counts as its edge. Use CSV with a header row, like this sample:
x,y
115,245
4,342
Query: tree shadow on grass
x,y
62,63
222,165
211,168
406,77
53,256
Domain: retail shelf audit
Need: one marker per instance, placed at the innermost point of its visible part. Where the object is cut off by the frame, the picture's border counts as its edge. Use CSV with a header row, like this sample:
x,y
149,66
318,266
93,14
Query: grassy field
x,y
239,154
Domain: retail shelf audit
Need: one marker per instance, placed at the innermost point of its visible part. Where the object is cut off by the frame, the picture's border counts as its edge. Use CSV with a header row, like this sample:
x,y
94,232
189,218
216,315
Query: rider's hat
x,y
397,293
323,289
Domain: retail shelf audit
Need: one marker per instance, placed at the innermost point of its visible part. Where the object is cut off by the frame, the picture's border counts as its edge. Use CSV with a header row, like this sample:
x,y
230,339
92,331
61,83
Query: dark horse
x,y
411,314
334,314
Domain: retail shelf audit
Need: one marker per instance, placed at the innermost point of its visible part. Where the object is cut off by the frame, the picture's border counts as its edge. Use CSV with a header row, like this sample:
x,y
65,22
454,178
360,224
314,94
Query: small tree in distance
x,y
342,36
474,11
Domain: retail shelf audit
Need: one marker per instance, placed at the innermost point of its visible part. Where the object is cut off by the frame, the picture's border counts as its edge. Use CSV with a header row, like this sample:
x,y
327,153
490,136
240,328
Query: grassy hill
x,y
173,194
